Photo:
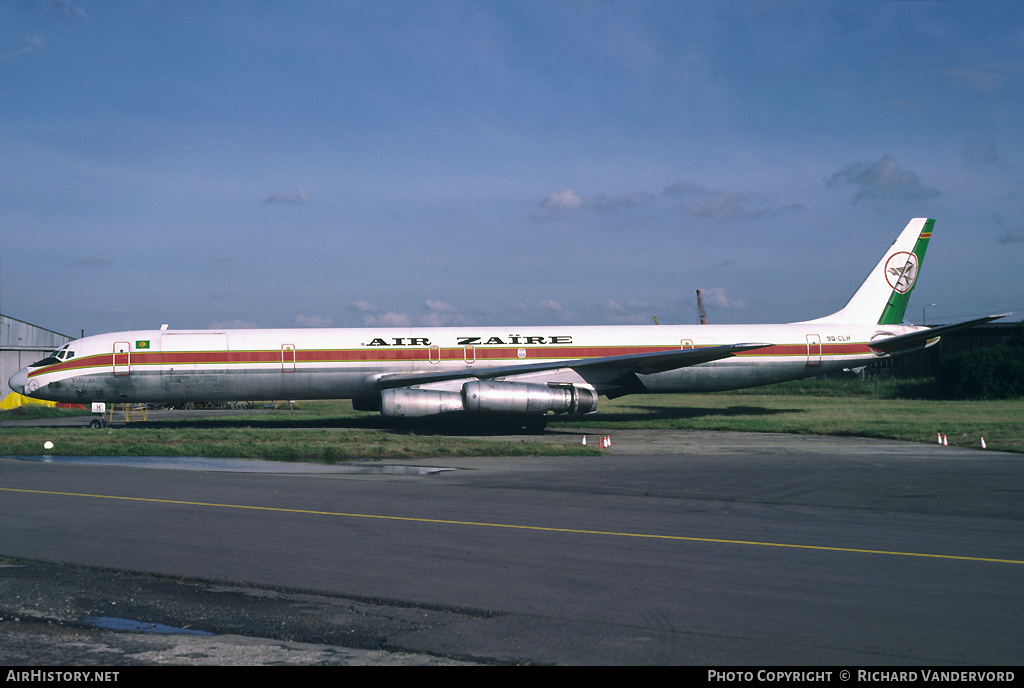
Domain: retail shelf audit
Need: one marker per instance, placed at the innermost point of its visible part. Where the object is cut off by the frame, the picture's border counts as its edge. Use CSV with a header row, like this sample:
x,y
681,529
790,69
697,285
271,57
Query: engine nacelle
x,y
489,396
496,396
413,403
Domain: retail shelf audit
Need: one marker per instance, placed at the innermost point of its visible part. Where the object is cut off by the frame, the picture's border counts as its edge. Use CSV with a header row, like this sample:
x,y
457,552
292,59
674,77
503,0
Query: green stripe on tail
x,y
901,272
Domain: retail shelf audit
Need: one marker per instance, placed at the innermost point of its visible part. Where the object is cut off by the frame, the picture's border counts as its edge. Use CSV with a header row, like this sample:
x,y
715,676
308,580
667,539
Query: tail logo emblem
x,y
901,271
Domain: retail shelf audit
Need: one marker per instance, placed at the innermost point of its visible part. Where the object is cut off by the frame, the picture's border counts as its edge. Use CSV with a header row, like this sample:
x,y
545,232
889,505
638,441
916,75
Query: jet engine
x,y
412,403
490,396
494,396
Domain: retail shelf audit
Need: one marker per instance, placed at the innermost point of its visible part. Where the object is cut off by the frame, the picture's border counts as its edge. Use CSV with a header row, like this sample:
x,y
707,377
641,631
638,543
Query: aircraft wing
x,y
915,340
644,364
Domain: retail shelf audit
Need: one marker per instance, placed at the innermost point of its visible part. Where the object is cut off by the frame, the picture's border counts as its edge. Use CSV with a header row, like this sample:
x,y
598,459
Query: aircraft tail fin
x,y
882,298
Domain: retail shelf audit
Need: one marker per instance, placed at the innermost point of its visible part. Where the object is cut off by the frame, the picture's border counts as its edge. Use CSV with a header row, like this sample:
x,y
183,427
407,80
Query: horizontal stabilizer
x,y
917,339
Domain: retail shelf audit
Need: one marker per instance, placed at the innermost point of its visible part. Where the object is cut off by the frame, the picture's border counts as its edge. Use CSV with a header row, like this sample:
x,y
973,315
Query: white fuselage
x,y
174,366
522,371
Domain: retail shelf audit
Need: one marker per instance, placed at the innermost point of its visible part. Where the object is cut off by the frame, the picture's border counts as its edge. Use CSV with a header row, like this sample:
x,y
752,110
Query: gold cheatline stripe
x,y
414,519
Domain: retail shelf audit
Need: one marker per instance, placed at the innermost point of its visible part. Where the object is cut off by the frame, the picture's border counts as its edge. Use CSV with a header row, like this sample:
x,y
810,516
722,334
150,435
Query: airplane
x,y
520,372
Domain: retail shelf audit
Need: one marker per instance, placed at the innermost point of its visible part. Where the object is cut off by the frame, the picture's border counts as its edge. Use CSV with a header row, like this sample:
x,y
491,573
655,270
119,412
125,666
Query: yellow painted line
x,y
575,531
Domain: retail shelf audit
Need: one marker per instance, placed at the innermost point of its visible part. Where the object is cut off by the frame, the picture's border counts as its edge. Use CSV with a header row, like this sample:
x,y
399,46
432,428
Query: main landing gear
x,y
535,424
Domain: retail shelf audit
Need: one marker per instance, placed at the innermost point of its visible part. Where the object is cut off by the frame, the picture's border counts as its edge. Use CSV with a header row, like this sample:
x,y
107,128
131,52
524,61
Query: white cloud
x,y
719,297
883,180
723,206
550,305
69,8
613,305
363,307
633,313
32,44
545,311
435,318
441,314
388,319
564,200
439,306
571,200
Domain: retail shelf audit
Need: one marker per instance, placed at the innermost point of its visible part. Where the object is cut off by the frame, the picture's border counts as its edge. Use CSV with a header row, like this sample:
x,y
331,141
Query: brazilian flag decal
x,y
142,344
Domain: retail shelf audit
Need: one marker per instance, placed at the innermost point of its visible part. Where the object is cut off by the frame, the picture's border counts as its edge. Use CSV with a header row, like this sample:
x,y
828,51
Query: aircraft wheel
x,y
536,424
96,423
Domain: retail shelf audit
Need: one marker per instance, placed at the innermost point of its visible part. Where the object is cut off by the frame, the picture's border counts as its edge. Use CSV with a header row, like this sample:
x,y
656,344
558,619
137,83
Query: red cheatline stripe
x,y
181,358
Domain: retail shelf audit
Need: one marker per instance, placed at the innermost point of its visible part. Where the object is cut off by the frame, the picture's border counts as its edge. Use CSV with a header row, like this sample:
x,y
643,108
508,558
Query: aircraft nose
x,y
19,381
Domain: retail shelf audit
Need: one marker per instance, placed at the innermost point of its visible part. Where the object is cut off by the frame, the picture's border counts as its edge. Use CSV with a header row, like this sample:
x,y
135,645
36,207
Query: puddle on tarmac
x,y
113,623
199,463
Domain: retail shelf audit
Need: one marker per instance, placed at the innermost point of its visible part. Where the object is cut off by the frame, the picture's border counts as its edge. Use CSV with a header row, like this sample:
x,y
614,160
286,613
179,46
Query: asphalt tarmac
x,y
689,548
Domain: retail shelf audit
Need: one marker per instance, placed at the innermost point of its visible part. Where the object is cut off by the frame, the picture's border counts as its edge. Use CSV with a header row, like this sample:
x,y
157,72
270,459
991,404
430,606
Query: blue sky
x,y
232,164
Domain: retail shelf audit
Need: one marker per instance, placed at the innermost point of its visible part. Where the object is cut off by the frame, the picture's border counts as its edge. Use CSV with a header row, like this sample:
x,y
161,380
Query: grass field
x,y
332,431
326,432
313,445
964,423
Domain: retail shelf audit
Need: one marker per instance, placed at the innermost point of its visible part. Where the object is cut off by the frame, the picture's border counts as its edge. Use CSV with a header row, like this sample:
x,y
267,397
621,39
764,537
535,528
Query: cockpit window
x,y
55,357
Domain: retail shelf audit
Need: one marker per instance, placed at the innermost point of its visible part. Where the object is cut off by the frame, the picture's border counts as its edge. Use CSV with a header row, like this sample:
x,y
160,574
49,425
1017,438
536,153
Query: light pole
x,y
924,313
